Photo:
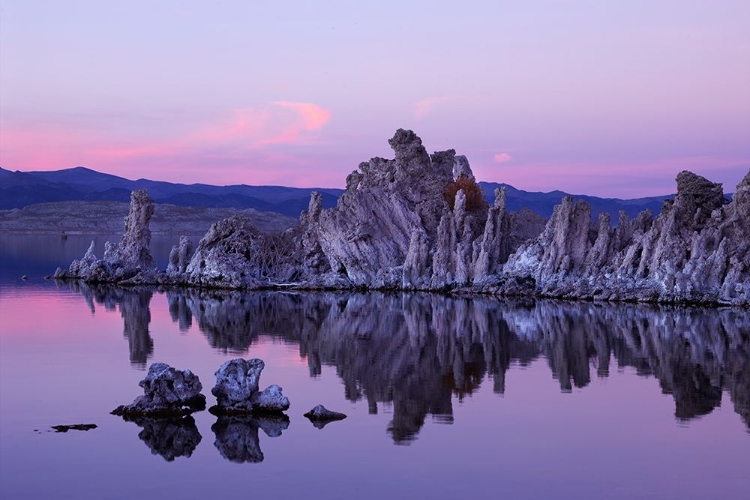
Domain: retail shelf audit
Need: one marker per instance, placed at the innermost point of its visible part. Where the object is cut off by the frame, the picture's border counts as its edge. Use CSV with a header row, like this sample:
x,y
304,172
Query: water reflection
x,y
134,308
418,352
237,435
169,438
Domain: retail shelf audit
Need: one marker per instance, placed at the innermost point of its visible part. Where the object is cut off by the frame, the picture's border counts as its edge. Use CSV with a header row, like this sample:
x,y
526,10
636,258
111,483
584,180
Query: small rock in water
x,y
24,277
167,392
320,416
236,390
270,400
74,427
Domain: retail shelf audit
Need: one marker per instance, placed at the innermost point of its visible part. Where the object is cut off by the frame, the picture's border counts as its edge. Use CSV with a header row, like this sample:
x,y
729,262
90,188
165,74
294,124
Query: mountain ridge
x,y
19,189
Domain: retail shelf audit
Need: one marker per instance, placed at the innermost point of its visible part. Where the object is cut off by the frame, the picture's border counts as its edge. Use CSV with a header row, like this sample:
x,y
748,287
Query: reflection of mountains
x,y
416,351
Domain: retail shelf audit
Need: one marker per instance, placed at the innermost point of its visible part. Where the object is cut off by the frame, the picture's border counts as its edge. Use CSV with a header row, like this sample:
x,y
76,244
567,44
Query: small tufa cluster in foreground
x,y
169,392
236,390
407,224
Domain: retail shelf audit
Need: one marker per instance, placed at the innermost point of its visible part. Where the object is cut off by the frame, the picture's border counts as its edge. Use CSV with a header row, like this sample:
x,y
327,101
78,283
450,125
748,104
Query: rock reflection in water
x,y
237,435
417,352
134,308
169,437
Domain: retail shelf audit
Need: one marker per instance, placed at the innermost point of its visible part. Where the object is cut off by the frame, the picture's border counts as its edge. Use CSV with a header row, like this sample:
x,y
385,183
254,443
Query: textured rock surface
x,y
166,391
121,261
270,400
414,223
393,228
236,389
179,256
236,254
695,251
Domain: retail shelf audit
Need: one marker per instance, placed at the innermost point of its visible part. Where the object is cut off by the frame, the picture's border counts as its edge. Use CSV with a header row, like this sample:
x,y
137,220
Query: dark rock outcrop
x,y
236,390
74,427
320,416
167,392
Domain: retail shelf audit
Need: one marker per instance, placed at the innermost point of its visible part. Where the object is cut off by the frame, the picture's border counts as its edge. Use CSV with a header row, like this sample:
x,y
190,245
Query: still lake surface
x,y
446,397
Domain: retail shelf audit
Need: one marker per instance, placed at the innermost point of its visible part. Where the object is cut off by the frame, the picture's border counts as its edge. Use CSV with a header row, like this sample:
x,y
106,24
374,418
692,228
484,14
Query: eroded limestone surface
x,y
696,250
397,226
125,260
236,390
166,392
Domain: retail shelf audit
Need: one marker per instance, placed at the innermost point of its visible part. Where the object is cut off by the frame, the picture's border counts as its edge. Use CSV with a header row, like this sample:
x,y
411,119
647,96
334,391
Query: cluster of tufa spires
x,y
394,229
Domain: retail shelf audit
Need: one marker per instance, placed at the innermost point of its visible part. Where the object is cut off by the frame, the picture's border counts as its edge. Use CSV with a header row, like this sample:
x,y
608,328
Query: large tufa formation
x,y
235,253
167,392
419,222
130,259
393,227
696,250
236,390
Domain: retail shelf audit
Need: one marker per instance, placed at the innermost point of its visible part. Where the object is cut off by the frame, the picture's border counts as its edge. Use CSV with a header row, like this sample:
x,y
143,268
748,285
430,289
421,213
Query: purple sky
x,y
603,98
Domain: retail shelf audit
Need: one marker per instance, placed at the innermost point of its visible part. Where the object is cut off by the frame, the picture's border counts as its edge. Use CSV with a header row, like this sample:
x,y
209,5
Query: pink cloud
x,y
313,116
424,107
244,138
502,158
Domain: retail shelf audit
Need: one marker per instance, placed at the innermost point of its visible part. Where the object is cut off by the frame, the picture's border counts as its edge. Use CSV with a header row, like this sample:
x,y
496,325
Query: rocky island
x,y
415,222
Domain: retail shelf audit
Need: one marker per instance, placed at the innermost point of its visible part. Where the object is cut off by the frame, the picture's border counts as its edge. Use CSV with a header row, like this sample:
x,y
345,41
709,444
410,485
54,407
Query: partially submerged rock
x,y
167,392
74,427
320,416
236,390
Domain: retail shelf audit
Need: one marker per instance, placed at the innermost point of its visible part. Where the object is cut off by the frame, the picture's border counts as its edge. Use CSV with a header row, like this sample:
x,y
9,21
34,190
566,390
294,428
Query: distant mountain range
x,y
20,189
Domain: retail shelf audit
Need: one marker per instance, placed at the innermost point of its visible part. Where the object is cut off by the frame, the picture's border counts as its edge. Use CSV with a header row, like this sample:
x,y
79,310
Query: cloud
x,y
502,158
424,107
309,118
313,116
243,136
282,122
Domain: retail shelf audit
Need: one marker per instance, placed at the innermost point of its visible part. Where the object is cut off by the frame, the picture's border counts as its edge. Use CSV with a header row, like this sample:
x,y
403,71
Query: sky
x,y
606,98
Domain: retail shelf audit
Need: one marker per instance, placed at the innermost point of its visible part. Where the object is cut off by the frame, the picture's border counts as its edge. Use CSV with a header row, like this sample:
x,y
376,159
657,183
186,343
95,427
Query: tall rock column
x,y
494,247
133,250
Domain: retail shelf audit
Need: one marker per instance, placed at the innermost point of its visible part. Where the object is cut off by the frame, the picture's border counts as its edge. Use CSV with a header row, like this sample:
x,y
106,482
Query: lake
x,y
445,397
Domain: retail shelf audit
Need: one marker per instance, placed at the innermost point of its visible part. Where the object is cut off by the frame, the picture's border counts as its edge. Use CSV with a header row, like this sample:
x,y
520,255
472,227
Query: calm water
x,y
447,398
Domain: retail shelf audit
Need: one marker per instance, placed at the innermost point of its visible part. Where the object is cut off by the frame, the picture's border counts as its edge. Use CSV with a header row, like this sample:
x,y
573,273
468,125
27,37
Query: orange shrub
x,y
474,195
